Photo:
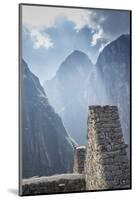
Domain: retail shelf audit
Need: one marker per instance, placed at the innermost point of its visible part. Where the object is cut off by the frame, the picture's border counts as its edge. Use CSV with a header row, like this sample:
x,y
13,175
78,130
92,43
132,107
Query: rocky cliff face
x,y
47,148
67,93
114,67
78,83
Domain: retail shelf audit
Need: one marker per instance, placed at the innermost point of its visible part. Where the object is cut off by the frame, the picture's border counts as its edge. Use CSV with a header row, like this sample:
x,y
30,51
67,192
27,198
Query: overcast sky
x,y
50,34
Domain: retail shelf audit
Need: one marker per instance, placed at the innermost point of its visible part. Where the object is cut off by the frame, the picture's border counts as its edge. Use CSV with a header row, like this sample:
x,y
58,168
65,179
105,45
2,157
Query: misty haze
x,y
72,59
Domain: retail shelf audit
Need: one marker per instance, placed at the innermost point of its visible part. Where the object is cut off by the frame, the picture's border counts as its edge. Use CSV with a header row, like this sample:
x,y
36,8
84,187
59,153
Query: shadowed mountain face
x,y
114,66
72,90
47,148
67,92
78,83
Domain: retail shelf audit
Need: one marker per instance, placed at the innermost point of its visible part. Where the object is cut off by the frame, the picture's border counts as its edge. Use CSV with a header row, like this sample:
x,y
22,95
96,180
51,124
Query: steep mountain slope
x,y
114,67
78,83
71,91
47,148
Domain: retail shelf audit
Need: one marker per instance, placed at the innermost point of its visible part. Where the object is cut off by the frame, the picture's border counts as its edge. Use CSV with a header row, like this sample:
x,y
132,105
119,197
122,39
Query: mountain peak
x,y
75,61
124,36
115,50
25,66
79,54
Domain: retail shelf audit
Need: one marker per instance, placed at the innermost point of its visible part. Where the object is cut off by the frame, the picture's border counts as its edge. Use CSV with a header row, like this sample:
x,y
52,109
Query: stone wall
x,y
79,158
106,163
54,184
102,164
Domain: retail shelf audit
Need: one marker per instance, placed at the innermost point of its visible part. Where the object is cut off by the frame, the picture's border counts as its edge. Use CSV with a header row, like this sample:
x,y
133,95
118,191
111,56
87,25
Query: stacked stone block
x,y
79,158
54,184
106,162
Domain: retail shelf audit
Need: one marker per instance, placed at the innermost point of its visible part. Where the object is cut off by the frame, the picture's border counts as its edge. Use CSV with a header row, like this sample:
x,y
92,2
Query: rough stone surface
x,y
79,158
54,184
106,163
102,164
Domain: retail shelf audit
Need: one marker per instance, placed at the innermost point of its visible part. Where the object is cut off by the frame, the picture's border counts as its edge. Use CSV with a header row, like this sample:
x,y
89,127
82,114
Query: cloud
x,y
44,17
80,18
41,18
103,45
96,36
100,23
51,32
40,40
37,19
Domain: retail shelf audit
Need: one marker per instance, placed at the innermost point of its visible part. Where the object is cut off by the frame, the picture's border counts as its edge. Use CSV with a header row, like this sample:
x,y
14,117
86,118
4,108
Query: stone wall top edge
x,y
93,107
